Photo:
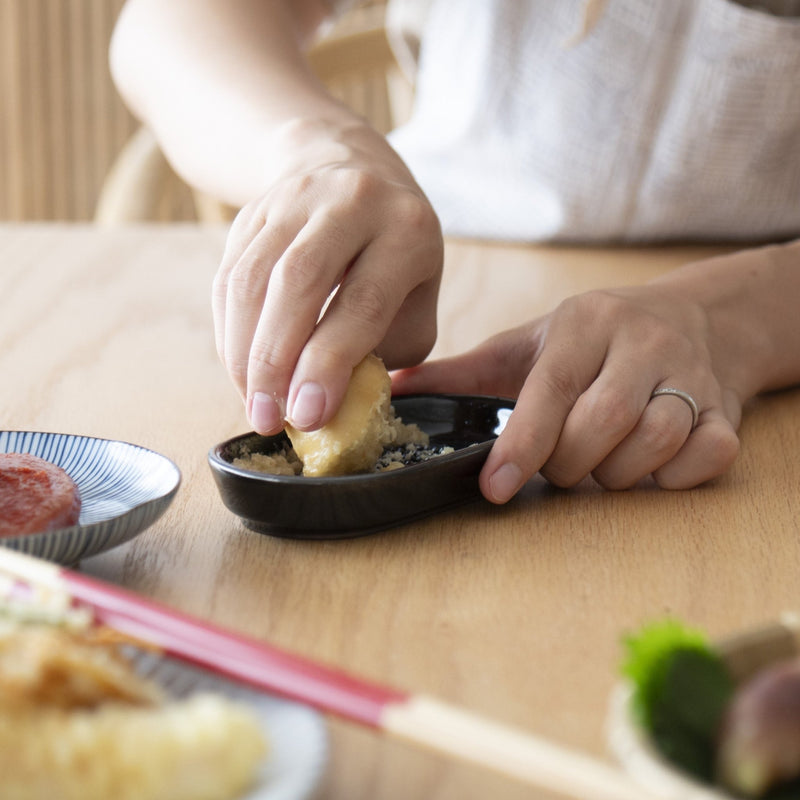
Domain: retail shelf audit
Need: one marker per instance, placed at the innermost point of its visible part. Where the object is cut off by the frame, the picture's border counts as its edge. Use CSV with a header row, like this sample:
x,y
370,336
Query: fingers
x,y
446,376
557,379
487,369
658,434
287,358
710,450
267,298
604,415
295,293
244,230
587,405
498,366
241,293
355,322
660,441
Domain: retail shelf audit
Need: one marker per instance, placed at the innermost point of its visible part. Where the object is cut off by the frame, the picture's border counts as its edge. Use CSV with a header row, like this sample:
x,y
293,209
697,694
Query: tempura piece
x,y
46,666
78,723
204,748
364,425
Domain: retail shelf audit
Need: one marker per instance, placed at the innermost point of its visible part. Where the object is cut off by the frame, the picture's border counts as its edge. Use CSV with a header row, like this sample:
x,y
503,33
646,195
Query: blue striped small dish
x,y
124,489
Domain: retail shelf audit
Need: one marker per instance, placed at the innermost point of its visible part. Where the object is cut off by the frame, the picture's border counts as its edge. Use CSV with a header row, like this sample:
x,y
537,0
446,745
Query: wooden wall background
x,y
62,123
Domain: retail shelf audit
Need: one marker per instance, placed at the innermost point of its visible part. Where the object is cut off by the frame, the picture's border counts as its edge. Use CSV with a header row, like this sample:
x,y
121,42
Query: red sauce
x,y
35,496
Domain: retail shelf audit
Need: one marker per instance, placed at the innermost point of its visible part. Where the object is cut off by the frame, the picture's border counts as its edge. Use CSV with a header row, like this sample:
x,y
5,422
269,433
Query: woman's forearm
x,y
752,301
216,80
326,202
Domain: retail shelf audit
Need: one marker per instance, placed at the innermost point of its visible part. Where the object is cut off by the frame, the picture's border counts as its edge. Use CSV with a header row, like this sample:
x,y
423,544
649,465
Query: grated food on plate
x,y
411,453
281,462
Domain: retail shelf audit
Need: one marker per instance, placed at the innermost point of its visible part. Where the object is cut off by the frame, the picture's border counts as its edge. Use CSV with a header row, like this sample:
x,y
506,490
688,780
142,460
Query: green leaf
x,y
681,689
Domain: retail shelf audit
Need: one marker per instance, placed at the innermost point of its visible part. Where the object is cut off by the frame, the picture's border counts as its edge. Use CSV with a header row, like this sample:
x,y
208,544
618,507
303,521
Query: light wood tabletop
x,y
514,612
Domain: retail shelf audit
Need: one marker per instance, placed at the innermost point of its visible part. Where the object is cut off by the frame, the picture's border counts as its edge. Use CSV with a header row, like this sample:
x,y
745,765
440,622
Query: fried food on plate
x,y
203,748
77,723
44,666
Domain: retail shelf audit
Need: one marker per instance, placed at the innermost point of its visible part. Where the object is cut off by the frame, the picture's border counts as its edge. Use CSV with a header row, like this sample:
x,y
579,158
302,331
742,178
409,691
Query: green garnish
x,y
681,689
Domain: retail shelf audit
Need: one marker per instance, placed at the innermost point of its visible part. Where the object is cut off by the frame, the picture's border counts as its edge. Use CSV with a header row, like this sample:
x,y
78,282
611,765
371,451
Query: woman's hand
x,y
229,93
584,376
344,214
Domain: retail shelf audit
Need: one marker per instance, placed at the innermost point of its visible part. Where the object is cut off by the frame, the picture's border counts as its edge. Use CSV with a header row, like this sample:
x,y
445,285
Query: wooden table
x,y
514,612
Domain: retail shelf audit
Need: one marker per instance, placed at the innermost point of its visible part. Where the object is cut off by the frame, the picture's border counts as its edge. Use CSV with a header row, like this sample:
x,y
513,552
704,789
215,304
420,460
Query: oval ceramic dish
x,y
355,505
124,489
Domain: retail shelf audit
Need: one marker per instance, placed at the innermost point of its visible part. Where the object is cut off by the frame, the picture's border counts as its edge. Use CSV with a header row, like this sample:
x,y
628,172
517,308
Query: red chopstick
x,y
416,718
244,659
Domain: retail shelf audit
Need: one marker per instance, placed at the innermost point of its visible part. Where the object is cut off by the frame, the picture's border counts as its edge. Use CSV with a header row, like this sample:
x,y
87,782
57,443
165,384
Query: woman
x,y
662,121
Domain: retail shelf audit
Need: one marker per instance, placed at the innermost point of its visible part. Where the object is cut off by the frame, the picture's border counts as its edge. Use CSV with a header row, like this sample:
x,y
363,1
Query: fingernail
x,y
505,482
308,406
265,413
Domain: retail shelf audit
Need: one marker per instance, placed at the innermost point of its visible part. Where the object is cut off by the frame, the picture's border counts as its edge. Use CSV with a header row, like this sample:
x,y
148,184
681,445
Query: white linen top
x,y
669,119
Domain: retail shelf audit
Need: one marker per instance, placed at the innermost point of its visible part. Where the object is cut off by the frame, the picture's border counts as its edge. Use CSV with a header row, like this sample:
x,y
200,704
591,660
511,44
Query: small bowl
x,y
355,505
744,655
124,489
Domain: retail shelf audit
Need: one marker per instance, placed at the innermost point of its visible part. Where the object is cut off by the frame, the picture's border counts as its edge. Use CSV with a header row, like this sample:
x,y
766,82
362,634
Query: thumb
x,y
499,366
458,375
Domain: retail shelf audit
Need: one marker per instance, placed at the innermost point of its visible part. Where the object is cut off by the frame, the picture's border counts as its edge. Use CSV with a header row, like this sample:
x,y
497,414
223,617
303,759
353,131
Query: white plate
x,y
124,489
297,735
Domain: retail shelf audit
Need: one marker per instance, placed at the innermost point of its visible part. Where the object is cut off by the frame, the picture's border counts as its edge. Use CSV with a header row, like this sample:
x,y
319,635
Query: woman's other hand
x,y
584,377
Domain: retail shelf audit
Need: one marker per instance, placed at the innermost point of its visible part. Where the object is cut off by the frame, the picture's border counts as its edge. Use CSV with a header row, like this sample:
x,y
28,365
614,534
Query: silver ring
x,y
685,396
